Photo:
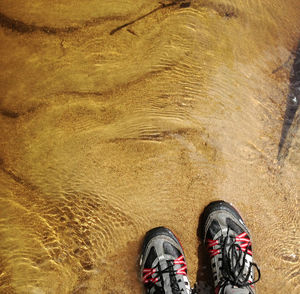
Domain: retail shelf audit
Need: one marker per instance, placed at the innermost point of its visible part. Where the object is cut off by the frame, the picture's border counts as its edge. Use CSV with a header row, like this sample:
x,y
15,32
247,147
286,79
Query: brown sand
x,y
110,130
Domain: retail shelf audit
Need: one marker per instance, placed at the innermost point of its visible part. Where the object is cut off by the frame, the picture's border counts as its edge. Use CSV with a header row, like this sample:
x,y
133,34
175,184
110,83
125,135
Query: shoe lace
x,y
157,276
234,263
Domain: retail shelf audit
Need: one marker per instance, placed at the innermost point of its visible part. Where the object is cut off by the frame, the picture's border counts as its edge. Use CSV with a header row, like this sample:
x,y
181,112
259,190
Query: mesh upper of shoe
x,y
229,246
163,265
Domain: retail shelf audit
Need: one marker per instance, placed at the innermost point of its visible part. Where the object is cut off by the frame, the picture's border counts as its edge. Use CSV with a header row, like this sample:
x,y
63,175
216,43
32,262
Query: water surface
x,y
119,116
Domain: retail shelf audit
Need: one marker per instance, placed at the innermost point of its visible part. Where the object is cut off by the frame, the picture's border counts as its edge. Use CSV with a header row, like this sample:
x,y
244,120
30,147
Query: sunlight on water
x,y
120,116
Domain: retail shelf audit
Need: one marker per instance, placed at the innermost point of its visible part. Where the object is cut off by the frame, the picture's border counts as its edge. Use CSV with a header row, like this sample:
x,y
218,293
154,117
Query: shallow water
x,y
120,116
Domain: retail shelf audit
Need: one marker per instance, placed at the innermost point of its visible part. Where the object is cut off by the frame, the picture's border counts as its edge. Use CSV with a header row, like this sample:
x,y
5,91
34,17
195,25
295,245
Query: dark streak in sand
x,y
162,6
23,28
291,122
9,113
15,177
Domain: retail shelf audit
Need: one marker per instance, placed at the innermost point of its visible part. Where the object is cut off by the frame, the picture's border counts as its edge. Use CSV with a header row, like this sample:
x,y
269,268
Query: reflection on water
x,y
120,116
291,120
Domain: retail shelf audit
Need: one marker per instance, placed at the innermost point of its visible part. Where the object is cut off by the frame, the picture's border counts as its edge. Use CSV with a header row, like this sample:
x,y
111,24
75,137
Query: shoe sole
x,y
214,206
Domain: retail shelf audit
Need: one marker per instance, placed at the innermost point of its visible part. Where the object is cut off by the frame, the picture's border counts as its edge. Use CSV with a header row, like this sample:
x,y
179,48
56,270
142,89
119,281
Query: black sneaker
x,y
229,246
162,263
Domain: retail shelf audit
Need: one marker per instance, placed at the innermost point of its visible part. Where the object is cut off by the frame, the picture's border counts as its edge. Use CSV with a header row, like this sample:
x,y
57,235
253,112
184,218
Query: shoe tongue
x,y
232,290
170,283
164,282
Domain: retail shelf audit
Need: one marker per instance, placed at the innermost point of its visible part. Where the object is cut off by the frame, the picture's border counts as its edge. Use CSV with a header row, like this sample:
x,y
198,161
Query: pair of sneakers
x,y
227,239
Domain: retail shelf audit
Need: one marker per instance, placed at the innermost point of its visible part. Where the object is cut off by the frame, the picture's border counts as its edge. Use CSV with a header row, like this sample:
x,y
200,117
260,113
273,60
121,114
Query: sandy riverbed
x,y
118,116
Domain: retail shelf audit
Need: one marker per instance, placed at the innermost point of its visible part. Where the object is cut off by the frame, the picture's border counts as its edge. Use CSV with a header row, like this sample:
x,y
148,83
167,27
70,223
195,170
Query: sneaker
x,y
162,263
229,246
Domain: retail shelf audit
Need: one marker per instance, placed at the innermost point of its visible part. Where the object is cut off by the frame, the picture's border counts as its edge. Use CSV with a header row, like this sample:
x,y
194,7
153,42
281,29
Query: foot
x,y
229,246
162,263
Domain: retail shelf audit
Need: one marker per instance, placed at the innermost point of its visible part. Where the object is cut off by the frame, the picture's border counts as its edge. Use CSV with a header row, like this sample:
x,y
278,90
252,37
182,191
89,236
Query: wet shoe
x,y
229,246
162,263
